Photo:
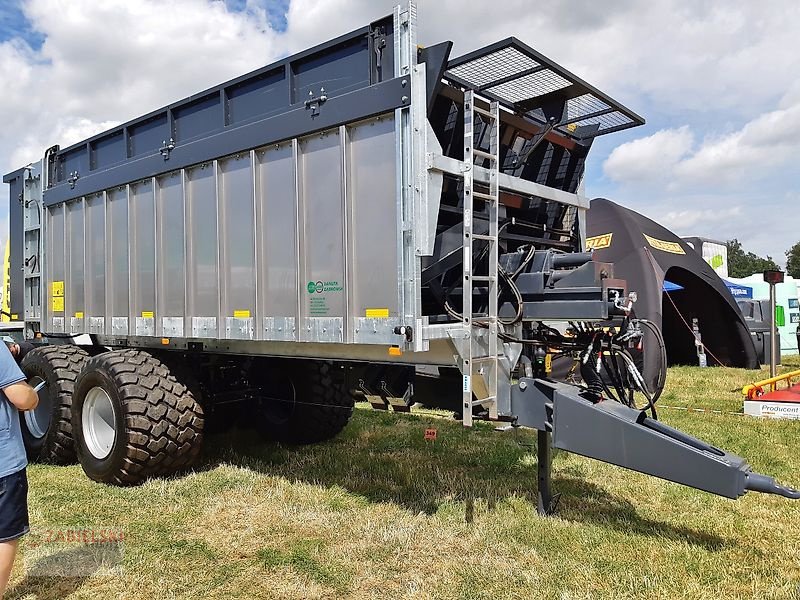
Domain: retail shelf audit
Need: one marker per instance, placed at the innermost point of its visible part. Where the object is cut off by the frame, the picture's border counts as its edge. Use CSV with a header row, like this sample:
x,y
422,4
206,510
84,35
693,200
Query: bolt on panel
x,y
55,268
143,258
237,244
95,243
323,305
202,279
276,204
170,252
371,186
118,258
74,288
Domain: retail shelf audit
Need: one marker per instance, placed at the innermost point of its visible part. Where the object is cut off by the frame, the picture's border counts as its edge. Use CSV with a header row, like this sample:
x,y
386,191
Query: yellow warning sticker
x,y
15,317
598,242
548,363
147,314
78,315
57,295
241,314
377,313
671,247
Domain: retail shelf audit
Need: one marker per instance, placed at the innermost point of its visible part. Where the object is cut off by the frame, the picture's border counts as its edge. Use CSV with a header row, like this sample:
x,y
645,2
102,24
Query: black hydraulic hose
x,y
589,367
662,371
525,262
615,376
640,384
594,383
517,297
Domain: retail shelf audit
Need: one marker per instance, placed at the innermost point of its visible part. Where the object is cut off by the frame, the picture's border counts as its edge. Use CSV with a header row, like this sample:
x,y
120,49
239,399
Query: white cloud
x,y
106,62
688,219
756,151
650,158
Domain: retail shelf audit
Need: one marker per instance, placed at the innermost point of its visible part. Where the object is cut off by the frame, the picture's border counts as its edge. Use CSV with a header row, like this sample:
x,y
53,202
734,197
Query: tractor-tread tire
x,y
59,366
163,423
322,409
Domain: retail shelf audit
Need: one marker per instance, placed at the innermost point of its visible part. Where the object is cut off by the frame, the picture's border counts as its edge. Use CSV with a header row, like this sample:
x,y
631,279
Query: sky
x,y
718,83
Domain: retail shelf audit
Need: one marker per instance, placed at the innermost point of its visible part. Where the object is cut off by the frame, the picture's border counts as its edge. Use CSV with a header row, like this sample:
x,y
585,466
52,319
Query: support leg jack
x,y
546,501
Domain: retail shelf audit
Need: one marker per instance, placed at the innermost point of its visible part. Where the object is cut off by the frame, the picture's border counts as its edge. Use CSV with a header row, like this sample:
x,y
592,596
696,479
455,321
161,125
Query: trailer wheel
x,y
133,420
308,403
47,429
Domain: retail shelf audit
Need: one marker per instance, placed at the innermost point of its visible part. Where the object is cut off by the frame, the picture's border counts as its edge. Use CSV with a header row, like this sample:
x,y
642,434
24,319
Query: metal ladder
x,y
478,360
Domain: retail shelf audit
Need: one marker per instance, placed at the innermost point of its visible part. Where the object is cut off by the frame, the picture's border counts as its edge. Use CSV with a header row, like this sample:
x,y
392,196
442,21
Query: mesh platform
x,y
526,82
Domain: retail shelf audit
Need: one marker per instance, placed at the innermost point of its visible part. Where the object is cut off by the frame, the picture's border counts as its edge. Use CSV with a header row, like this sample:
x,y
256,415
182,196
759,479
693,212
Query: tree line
x,y
744,264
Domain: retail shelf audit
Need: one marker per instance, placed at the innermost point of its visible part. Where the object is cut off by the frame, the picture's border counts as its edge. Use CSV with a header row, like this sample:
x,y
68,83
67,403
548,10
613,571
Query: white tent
x,y
788,306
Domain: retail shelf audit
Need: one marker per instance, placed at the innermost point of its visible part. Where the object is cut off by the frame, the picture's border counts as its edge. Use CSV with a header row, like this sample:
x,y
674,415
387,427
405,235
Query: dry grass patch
x,y
381,513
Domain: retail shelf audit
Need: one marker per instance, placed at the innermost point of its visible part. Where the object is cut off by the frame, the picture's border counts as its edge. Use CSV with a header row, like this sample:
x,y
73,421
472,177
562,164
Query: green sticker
x,y
317,287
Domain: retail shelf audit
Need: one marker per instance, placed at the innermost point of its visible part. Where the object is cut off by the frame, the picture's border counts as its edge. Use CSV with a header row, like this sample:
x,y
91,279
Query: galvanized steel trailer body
x,y
303,211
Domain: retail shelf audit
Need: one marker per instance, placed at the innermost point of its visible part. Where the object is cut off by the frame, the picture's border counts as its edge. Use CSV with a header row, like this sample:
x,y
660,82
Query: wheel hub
x,y
98,422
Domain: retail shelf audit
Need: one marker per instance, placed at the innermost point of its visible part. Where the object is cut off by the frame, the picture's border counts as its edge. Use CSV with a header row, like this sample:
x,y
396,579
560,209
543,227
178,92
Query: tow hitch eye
x,y
766,485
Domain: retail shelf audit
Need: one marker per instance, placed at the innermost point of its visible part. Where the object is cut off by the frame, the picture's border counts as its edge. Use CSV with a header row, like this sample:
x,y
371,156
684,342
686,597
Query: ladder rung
x,y
482,278
482,196
483,112
482,154
486,400
483,359
481,236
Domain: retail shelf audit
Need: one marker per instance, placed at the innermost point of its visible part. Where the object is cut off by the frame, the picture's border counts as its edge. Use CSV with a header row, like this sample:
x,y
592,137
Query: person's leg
x,y
13,521
8,550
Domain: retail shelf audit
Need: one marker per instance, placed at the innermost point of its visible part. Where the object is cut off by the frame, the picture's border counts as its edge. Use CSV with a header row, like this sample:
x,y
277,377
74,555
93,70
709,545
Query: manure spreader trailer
x,y
366,219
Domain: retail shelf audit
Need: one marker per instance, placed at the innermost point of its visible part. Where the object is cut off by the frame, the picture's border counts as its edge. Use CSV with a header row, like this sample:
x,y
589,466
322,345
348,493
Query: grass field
x,y
381,513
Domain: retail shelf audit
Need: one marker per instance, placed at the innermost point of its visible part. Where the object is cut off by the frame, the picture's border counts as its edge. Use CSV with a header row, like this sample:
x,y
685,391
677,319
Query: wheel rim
x,y
98,421
38,420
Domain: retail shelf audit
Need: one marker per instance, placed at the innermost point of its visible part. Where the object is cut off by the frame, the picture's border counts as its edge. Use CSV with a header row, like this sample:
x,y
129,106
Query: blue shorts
x,y
13,506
